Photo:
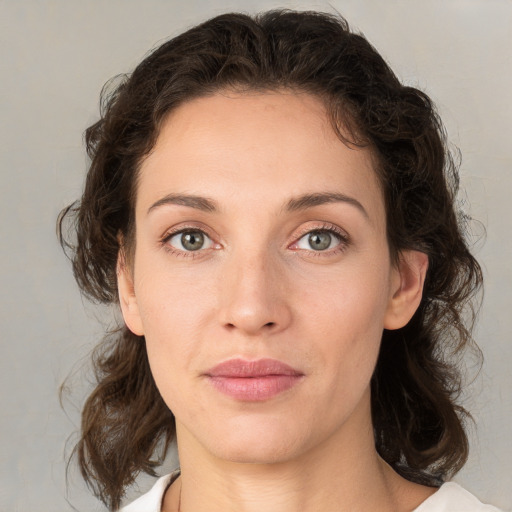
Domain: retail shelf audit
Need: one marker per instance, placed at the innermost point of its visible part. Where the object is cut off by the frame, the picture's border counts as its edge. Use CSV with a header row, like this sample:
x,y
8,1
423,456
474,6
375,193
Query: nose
x,y
254,296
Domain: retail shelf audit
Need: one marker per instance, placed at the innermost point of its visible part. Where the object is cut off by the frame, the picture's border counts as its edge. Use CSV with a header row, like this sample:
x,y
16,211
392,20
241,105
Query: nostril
x,y
270,324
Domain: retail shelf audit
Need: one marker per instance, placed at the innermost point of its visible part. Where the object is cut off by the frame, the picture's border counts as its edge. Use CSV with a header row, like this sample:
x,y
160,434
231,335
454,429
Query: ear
x,y
407,289
127,299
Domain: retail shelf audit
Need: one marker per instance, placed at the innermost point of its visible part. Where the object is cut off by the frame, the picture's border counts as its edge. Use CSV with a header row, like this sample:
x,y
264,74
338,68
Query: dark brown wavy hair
x,y
419,424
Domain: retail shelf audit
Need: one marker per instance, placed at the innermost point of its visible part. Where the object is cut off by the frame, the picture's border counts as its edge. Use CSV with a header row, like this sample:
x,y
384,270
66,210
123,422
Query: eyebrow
x,y
299,203
319,198
198,202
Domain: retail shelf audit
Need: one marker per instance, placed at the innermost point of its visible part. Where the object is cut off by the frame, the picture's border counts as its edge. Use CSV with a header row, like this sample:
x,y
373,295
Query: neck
x,y
344,473
307,485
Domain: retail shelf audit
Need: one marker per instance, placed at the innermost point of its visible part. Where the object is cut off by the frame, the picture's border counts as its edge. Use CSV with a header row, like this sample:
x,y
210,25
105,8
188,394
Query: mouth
x,y
253,381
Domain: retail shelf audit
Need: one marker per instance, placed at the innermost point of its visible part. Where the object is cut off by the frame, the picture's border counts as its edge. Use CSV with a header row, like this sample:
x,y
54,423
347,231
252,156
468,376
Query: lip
x,y
253,381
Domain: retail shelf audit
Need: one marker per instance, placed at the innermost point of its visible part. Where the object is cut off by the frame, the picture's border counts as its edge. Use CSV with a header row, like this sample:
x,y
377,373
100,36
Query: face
x,y
261,277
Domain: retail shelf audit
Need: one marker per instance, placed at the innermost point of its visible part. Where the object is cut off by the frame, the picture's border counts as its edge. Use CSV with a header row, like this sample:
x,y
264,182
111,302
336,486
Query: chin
x,y
258,444
258,453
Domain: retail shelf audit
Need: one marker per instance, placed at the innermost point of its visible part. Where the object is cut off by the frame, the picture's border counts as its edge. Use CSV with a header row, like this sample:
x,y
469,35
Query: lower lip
x,y
254,389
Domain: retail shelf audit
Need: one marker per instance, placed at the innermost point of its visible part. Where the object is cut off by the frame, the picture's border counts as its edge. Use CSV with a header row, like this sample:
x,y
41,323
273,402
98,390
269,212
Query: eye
x,y
190,240
319,240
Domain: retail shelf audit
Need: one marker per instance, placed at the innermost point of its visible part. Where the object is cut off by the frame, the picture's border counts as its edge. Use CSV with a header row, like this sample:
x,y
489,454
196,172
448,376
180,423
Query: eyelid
x,y
184,228
341,234
208,241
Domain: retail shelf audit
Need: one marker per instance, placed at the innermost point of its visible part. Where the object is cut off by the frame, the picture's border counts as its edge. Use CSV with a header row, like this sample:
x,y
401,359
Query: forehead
x,y
254,147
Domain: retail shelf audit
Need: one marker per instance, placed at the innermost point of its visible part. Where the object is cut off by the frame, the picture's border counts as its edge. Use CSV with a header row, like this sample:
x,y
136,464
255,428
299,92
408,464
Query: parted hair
x,y
419,424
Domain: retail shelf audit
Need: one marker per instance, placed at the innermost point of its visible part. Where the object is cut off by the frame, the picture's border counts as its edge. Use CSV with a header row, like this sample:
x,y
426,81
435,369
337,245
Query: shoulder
x,y
451,497
152,500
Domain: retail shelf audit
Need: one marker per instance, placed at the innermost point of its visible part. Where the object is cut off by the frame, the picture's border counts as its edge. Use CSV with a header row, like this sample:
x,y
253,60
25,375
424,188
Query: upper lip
x,y
241,368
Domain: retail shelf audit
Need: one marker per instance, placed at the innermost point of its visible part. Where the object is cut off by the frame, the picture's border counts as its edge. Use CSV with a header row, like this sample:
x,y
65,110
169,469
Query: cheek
x,y
353,300
177,308
171,299
347,321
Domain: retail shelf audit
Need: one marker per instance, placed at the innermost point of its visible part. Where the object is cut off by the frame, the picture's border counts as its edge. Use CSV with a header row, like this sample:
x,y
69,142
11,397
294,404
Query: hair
x,y
419,424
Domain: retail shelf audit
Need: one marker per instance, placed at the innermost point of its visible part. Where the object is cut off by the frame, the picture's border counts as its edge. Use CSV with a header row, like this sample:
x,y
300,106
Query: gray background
x,y
55,57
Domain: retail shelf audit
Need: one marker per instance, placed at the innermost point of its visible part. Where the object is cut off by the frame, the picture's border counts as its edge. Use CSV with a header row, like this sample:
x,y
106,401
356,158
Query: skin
x,y
258,289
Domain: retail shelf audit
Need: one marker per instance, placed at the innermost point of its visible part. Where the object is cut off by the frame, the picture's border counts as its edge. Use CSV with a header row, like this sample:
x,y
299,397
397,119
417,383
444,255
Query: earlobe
x,y
127,298
407,290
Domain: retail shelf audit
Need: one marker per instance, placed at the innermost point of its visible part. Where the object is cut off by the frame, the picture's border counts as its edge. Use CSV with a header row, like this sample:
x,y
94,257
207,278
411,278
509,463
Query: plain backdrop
x,y
55,57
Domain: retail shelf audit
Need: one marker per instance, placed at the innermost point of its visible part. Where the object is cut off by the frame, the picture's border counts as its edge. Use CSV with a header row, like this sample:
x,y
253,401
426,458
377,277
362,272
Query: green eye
x,y
319,240
192,241
189,241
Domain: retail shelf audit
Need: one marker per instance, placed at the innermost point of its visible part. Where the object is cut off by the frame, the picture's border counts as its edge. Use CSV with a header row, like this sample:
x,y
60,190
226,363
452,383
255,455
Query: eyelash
x,y
344,241
164,242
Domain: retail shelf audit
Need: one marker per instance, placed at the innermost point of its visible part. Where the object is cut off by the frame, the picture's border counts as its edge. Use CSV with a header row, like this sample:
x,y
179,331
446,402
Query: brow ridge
x,y
311,200
299,203
192,201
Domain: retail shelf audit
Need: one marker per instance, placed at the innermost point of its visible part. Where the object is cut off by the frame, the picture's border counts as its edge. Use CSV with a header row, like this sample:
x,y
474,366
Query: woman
x,y
274,213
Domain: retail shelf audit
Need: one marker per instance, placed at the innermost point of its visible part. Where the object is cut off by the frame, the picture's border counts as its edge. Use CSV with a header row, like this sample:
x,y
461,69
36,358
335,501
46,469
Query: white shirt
x,y
450,497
